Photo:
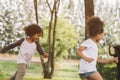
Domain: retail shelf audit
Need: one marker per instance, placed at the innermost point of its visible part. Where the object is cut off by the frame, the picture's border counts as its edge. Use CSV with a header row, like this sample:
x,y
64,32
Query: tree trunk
x,y
36,13
89,11
45,66
48,67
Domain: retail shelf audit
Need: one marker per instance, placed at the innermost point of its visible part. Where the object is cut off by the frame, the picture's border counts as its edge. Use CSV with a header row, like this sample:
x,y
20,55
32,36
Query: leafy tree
x,y
66,38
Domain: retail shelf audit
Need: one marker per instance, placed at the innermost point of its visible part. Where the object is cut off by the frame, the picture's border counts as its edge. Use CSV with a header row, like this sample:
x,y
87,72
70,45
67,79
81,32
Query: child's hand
x,y
45,55
89,60
115,59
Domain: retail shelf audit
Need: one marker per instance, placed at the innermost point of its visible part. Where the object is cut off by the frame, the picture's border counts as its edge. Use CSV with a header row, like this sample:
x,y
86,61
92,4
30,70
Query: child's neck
x,y
94,39
29,40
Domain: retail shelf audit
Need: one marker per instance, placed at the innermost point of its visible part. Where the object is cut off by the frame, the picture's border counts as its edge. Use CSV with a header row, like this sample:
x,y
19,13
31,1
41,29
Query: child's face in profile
x,y
36,36
99,37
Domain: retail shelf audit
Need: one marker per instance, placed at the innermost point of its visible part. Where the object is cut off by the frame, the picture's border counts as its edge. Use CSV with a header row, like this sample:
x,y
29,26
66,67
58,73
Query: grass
x,y
63,71
34,72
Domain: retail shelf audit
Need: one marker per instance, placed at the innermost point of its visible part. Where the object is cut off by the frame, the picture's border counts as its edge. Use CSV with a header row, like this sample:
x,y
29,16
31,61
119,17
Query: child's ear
x,y
28,36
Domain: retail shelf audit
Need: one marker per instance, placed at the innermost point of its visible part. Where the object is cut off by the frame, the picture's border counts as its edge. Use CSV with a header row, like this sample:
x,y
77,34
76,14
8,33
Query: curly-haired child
x,y
27,48
88,51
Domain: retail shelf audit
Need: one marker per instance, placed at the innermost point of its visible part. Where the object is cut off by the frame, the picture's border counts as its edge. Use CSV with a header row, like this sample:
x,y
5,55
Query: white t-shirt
x,y
91,51
26,52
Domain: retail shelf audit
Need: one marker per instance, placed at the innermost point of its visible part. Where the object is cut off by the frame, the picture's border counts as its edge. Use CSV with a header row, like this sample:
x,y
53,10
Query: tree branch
x,y
49,5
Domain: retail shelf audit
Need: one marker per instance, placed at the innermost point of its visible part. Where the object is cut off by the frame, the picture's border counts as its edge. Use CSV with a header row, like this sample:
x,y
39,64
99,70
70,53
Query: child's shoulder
x,y
87,40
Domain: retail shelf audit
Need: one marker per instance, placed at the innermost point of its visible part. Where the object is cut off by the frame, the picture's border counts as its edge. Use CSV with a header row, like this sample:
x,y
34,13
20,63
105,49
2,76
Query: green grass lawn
x,y
34,72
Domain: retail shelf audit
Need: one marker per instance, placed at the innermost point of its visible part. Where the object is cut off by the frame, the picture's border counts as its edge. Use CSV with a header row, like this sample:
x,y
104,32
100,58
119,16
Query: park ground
x,y
64,69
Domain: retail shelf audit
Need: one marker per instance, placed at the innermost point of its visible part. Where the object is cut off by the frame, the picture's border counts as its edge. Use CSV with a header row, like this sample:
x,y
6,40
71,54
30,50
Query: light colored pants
x,y
20,72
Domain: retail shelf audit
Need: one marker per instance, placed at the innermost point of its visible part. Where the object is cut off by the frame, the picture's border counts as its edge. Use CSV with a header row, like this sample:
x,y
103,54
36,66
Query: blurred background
x,y
70,32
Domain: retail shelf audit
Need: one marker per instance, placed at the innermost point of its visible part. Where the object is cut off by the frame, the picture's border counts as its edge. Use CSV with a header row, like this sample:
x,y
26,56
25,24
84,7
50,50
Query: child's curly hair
x,y
32,29
95,26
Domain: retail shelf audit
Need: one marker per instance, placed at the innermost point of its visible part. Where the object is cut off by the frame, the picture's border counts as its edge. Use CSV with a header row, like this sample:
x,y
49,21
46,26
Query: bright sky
x,y
112,2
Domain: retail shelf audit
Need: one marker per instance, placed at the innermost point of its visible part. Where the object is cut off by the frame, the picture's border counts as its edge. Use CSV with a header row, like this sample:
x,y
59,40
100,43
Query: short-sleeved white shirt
x,y
26,52
91,51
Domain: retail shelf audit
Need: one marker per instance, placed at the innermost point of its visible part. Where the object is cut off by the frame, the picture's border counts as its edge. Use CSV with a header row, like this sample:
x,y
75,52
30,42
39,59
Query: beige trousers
x,y
20,72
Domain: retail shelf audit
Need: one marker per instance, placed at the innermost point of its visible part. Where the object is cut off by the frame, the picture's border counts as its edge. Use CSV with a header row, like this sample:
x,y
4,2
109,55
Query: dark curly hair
x,y
95,26
32,29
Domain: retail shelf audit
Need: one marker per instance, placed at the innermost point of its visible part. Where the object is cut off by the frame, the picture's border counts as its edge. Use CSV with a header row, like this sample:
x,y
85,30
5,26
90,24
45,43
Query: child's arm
x,y
80,54
13,45
115,59
40,51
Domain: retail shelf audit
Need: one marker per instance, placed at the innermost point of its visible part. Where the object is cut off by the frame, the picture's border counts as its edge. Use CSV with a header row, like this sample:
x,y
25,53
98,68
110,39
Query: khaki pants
x,y
20,72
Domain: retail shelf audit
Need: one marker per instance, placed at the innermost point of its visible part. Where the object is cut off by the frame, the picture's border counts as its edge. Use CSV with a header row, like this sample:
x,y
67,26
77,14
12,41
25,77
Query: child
x,y
88,51
27,48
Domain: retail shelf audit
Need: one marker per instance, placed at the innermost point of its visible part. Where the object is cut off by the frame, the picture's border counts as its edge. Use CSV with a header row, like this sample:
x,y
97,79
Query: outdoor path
x,y
14,57
36,59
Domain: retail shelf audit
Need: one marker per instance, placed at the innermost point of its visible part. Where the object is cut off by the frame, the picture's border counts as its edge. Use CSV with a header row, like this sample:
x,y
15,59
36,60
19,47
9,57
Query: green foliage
x,y
66,37
108,71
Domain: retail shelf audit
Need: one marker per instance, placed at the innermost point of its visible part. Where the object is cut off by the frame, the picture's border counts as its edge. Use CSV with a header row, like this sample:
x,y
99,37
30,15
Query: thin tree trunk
x,y
56,6
36,13
44,65
89,11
